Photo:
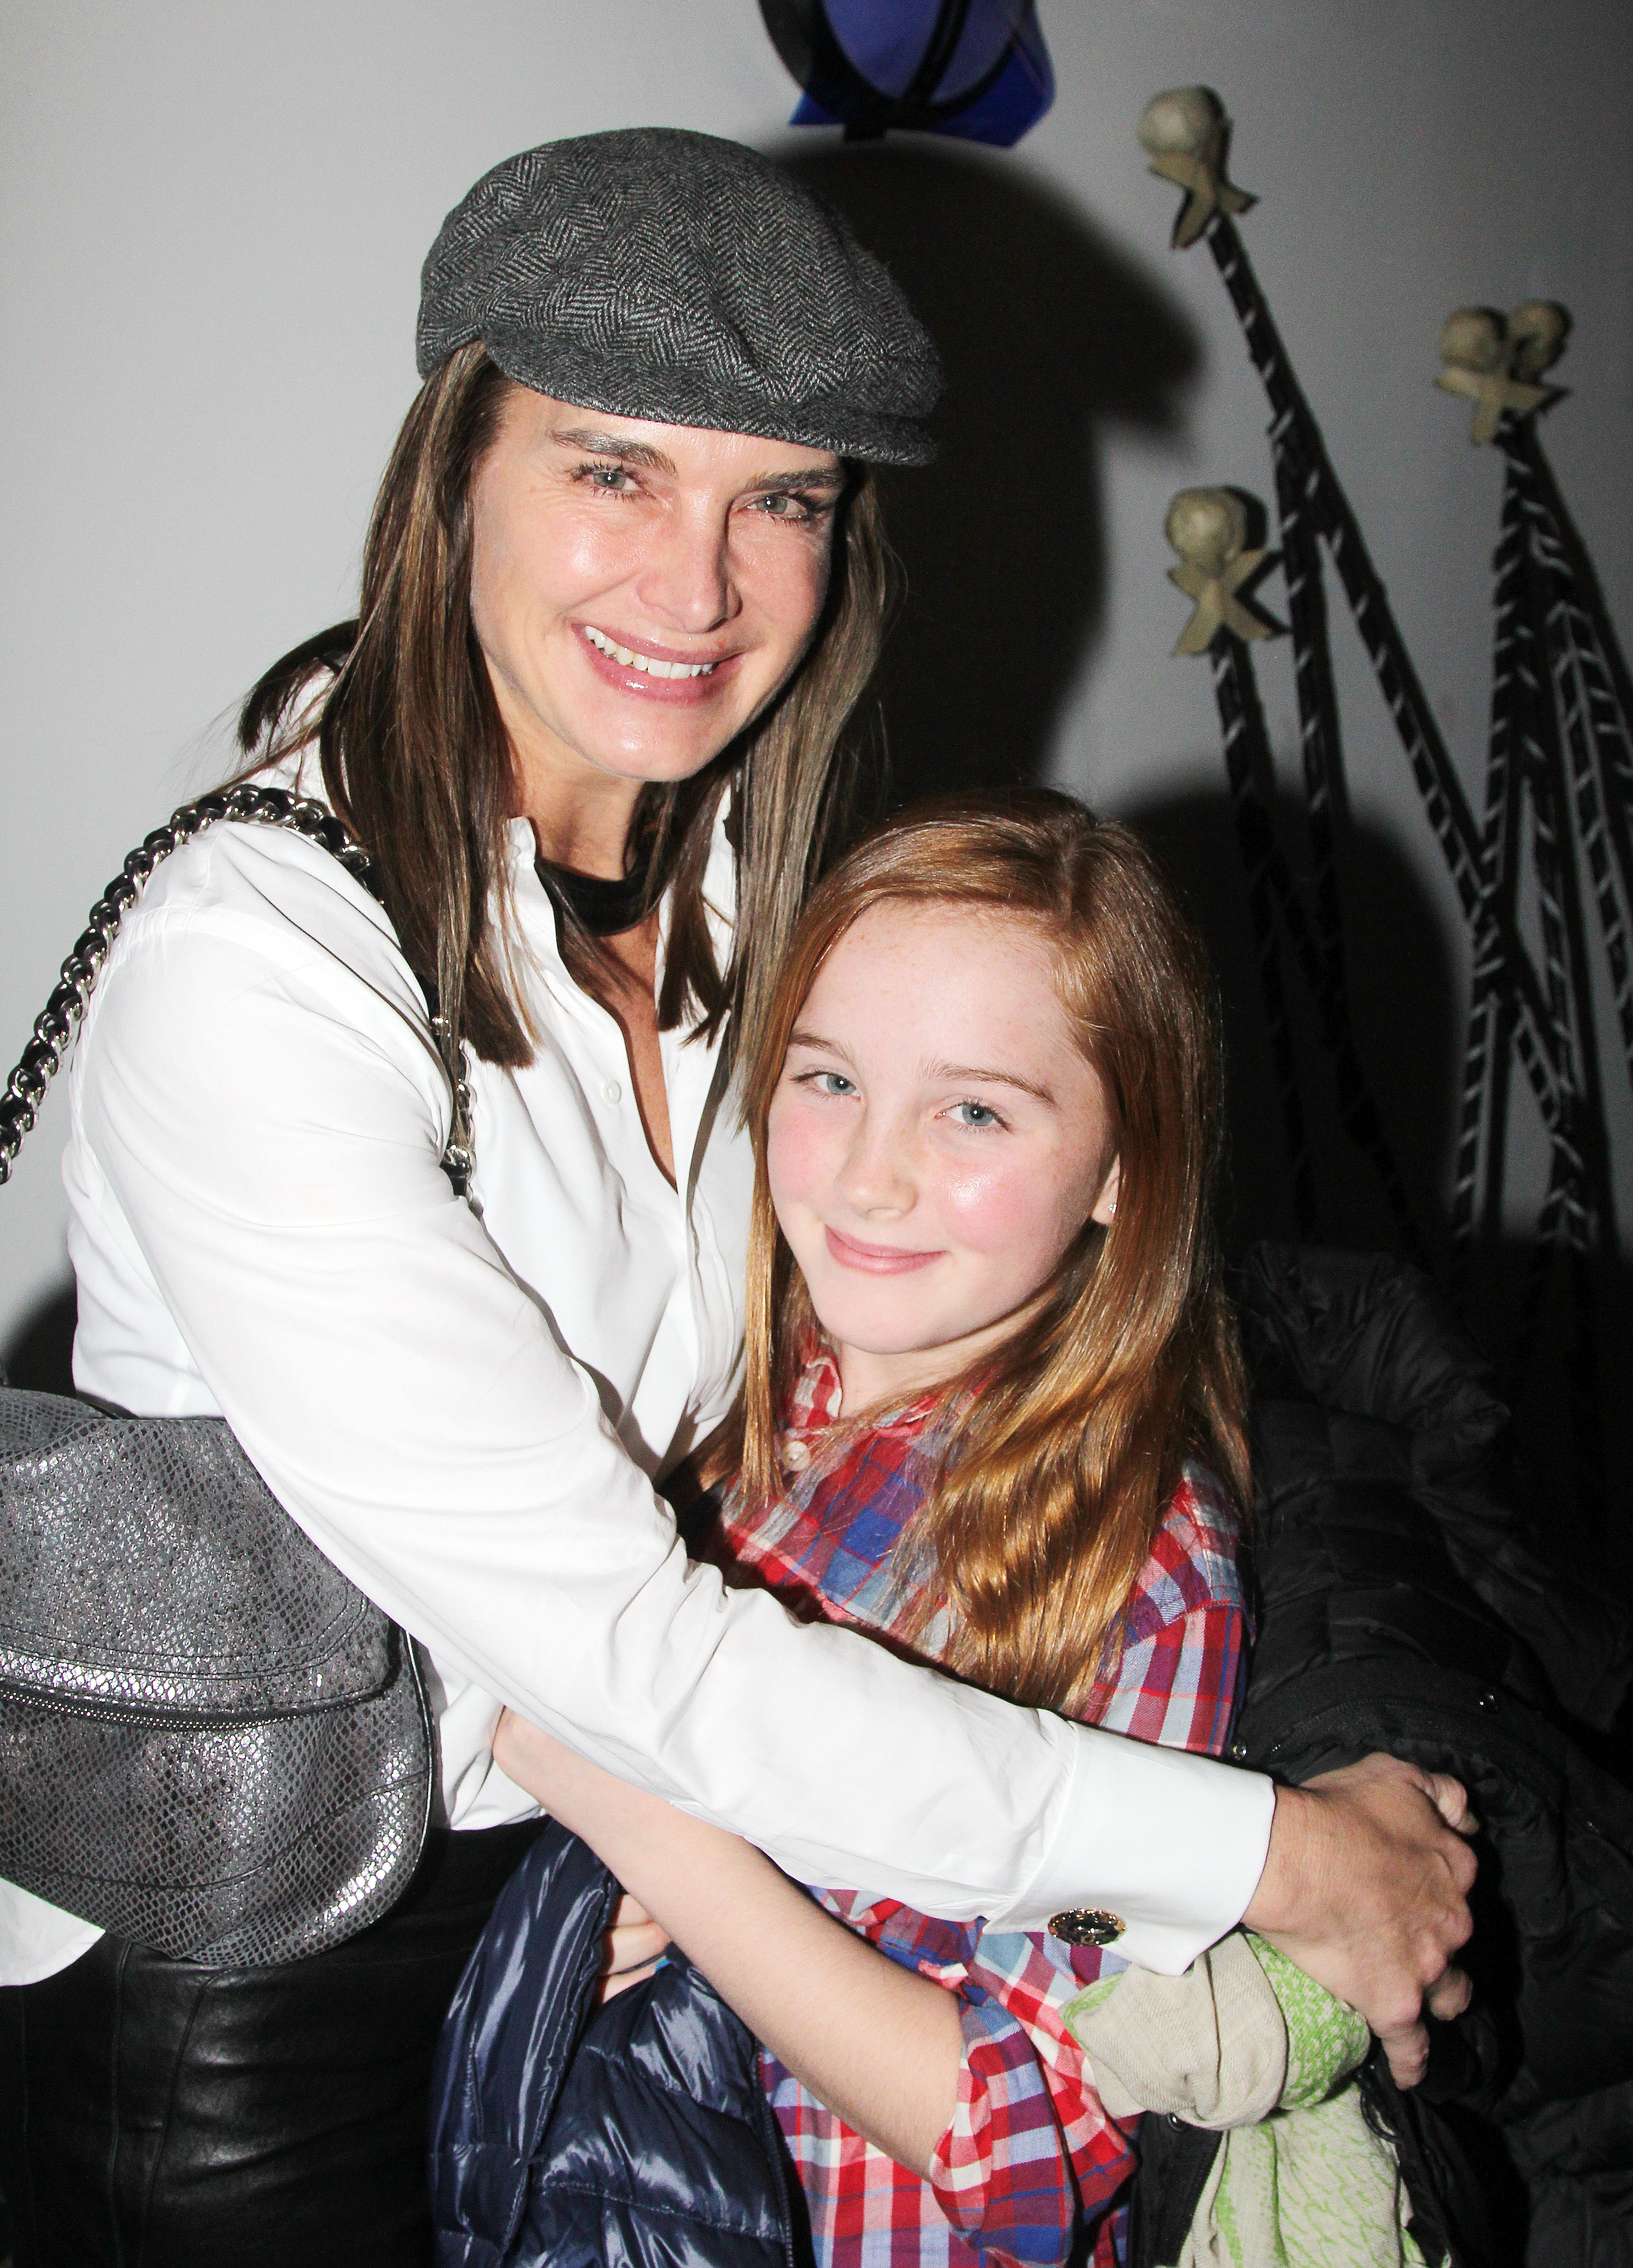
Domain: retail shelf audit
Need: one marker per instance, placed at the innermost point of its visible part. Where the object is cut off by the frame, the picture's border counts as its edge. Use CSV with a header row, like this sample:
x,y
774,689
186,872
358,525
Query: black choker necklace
x,y
603,908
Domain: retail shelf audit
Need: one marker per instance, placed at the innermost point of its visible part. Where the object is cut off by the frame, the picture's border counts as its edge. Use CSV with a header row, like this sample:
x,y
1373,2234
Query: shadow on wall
x,y
1404,1003
1409,1013
1047,333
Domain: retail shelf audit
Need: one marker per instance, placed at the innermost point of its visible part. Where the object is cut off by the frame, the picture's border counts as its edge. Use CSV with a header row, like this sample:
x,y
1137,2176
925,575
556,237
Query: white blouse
x,y
465,1405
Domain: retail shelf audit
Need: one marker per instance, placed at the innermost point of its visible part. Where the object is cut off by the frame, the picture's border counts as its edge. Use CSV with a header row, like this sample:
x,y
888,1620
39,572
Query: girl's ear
x,y
1104,1208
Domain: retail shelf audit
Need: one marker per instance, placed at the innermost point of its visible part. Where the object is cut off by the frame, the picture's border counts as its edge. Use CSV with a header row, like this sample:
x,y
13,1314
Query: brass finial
x,y
1496,363
1186,136
1537,332
1208,527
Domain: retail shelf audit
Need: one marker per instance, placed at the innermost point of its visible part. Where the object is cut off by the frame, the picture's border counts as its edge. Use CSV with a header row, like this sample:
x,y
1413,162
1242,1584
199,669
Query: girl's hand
x,y
631,1949
877,2044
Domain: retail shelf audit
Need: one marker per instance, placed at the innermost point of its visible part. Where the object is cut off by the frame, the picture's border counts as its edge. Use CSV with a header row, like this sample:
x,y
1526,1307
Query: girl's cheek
x,y
797,1152
1017,1219
999,1208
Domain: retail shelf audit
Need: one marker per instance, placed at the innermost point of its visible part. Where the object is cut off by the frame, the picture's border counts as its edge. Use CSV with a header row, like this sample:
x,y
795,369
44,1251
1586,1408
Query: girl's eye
x,y
826,1082
977,1115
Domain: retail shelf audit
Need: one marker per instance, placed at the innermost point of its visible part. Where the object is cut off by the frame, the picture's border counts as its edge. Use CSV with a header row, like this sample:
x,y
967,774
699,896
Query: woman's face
x,y
641,591
935,1143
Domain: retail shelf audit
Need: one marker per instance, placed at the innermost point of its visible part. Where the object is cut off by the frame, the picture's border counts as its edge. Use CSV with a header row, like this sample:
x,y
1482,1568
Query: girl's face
x,y
935,1142
641,591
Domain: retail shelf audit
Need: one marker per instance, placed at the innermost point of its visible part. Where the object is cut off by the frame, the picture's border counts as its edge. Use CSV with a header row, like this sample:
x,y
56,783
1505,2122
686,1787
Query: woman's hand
x,y
1366,1887
631,1949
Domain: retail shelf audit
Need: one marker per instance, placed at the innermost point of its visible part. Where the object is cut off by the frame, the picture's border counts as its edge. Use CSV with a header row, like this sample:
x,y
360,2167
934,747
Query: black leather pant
x,y
154,2114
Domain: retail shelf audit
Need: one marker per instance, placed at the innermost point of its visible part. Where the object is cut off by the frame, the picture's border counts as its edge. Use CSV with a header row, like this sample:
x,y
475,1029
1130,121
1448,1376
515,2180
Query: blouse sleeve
x,y
257,1094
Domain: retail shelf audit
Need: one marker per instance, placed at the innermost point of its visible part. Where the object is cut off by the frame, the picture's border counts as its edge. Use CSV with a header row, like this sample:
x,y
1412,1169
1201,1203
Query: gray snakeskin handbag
x,y
210,1741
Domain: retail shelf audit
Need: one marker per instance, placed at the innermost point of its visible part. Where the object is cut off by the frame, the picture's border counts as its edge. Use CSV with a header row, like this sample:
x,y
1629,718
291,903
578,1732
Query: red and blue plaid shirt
x,y
1031,2155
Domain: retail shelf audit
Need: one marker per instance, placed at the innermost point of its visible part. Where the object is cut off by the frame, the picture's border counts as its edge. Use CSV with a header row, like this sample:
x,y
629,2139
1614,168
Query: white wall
x,y
211,221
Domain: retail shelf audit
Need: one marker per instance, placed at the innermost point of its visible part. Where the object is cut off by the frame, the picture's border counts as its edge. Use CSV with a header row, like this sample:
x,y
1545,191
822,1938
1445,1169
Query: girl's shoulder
x,y
1196,1557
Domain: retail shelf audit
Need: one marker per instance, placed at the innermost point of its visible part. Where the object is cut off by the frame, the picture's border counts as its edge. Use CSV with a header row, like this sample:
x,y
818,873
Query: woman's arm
x,y
878,2045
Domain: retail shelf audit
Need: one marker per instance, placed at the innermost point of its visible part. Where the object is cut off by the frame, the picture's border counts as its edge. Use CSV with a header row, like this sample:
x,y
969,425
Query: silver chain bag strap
x,y
210,1740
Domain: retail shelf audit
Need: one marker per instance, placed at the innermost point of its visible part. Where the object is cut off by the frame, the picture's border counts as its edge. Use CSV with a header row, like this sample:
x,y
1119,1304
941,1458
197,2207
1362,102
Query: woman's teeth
x,y
627,659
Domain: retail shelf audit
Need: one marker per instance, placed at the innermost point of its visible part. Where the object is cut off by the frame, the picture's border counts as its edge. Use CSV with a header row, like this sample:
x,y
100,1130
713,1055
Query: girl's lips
x,y
875,1259
683,692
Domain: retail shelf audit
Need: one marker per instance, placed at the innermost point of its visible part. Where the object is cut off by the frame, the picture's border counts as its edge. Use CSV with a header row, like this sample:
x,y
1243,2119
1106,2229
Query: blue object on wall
x,y
977,69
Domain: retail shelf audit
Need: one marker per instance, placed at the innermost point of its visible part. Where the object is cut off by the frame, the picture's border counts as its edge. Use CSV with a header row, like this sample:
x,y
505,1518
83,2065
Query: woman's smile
x,y
651,671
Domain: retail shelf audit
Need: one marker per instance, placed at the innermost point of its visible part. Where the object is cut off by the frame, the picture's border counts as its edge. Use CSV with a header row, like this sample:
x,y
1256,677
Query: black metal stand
x,y
1558,809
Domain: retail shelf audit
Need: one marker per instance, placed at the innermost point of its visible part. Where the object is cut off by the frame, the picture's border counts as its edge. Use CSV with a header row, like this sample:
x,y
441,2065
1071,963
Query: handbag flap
x,y
202,1596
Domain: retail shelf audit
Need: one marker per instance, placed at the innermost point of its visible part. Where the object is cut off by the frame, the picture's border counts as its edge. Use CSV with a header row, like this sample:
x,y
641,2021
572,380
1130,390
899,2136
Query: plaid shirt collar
x,y
816,1404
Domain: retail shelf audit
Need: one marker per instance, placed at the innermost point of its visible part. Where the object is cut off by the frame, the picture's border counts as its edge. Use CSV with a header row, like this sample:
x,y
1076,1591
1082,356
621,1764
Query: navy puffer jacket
x,y
635,2135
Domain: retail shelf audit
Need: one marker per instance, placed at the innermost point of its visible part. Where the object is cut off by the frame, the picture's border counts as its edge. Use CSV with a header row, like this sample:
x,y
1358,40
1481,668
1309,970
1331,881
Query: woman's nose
x,y
687,580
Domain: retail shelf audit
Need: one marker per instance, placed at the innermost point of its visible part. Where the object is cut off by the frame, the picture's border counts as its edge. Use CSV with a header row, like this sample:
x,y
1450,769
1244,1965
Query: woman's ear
x,y
1104,1208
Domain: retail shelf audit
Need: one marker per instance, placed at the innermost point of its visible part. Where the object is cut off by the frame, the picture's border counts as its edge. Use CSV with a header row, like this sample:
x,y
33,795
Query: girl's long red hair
x,y
1067,1450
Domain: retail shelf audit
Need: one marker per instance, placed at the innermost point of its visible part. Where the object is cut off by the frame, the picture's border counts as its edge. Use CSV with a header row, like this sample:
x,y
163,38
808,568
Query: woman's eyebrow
x,y
979,1076
809,477
649,460
613,444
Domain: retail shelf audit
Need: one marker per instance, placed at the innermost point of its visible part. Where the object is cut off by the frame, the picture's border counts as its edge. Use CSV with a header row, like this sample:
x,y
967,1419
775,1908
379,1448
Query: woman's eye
x,y
785,504
611,480
826,1082
977,1115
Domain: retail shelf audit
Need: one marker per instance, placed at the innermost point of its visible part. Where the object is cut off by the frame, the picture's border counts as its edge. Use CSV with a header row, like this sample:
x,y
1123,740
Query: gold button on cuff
x,y
1087,1925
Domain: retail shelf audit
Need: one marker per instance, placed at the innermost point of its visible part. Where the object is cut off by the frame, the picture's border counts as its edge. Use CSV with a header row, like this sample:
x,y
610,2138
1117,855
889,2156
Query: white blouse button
x,y
796,1456
611,1092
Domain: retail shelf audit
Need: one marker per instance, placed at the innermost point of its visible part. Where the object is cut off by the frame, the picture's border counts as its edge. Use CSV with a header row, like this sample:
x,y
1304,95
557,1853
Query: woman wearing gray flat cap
x,y
598,726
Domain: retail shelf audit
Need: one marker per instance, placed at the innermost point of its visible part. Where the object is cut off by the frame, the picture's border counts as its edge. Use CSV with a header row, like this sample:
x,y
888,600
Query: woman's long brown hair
x,y
1069,1443
416,763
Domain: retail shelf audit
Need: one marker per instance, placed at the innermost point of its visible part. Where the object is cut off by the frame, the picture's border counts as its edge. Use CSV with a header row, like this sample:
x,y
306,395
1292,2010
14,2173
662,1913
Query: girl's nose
x,y
687,580
876,1175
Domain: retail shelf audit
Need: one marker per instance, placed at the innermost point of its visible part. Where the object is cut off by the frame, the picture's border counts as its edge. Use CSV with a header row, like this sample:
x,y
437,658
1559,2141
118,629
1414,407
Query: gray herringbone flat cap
x,y
672,275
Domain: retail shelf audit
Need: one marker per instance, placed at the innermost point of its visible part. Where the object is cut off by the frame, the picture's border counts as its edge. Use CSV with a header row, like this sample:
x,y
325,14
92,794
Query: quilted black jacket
x,y
1404,1607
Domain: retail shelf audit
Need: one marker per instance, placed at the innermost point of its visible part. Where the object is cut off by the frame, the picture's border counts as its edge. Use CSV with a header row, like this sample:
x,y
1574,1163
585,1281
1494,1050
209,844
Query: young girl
x,y
992,1413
